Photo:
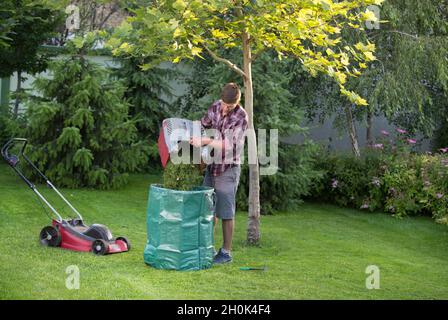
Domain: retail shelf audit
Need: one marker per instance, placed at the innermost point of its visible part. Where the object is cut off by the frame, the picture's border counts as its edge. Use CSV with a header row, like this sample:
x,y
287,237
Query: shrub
x,y
9,128
182,176
147,92
78,126
389,178
435,186
403,188
292,182
347,180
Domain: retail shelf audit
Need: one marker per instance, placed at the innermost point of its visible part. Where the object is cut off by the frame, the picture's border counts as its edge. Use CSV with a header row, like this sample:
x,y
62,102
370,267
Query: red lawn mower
x,y
71,233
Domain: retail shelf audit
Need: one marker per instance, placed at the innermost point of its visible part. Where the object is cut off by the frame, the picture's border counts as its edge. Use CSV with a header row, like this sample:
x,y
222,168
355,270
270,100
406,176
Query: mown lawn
x,y
317,252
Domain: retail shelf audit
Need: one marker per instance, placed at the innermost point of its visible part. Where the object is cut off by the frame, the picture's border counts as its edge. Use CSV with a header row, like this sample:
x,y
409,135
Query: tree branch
x,y
112,10
399,32
404,34
229,63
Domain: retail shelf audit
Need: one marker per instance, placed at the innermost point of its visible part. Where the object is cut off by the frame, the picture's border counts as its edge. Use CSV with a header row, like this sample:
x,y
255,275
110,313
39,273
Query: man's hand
x,y
196,142
203,141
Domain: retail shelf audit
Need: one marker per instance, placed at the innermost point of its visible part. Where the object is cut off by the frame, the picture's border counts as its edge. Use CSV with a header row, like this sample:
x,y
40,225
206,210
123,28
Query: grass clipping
x,y
183,177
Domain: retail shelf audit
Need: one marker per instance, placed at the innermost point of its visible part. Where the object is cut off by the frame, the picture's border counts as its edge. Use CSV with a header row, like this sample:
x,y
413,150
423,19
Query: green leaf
x,y
83,158
70,137
179,5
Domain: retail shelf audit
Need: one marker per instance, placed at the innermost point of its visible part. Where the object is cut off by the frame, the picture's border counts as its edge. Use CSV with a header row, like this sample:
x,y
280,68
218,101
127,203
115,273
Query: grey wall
x,y
322,133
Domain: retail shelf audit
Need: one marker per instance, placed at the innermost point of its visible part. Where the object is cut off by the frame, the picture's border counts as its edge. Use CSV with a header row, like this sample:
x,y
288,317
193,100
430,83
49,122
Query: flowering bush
x,y
346,180
435,186
403,189
389,177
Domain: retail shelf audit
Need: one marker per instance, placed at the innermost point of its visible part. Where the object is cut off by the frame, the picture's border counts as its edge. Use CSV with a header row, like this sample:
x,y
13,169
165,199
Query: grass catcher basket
x,y
180,228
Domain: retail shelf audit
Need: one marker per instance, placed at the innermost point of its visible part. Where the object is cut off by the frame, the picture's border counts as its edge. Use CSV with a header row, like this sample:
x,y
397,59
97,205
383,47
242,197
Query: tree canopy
x,y
34,22
309,31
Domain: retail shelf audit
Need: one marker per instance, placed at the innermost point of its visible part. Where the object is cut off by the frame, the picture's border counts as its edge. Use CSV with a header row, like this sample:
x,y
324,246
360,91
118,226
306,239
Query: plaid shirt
x,y
231,129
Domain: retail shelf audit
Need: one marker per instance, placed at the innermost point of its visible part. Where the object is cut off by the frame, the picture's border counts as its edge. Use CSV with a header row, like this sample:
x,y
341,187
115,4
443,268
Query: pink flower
x,y
378,146
444,150
334,183
376,182
439,195
401,131
384,132
364,206
412,141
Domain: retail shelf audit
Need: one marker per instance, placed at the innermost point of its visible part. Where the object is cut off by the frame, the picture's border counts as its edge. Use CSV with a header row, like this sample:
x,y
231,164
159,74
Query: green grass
x,y
317,252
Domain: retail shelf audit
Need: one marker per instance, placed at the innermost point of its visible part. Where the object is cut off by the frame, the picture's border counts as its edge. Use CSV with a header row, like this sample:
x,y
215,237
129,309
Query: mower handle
x,y
13,159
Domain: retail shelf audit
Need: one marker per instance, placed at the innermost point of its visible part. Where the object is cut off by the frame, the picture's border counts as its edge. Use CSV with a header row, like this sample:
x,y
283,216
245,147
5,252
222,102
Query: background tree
x,y
6,22
149,95
306,30
78,127
412,89
407,83
93,16
35,22
320,99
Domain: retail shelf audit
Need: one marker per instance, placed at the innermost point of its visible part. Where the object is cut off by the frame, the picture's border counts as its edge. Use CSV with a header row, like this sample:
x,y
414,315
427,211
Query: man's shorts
x,y
226,186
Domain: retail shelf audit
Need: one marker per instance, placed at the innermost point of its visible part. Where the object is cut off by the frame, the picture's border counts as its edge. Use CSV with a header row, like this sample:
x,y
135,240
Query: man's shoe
x,y
222,257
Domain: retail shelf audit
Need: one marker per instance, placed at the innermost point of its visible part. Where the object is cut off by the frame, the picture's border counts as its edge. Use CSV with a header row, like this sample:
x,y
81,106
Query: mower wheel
x,y
125,240
99,247
50,237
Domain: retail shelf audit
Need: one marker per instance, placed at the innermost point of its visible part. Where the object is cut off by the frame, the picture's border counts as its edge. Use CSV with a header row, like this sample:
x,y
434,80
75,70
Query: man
x,y
230,121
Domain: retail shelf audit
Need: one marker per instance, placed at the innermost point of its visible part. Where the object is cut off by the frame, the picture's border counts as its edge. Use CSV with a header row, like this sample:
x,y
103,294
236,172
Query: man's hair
x,y
231,93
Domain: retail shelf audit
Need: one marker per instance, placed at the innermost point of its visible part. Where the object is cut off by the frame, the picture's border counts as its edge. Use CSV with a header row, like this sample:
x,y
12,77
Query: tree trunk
x,y
18,91
352,130
369,137
253,226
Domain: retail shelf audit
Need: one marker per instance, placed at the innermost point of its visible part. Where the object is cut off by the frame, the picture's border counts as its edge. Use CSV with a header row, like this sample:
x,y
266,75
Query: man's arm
x,y
206,122
203,141
223,144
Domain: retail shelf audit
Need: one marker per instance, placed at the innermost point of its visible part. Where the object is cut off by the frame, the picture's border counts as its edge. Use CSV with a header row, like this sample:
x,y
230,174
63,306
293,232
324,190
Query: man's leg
x,y
227,232
209,182
225,188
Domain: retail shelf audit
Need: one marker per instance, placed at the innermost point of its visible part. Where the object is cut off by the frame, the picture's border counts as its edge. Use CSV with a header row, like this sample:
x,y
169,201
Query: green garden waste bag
x,y
180,228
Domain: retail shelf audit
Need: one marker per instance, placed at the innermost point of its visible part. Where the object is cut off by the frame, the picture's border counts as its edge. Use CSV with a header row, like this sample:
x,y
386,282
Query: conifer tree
x,y
78,126
29,23
148,93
